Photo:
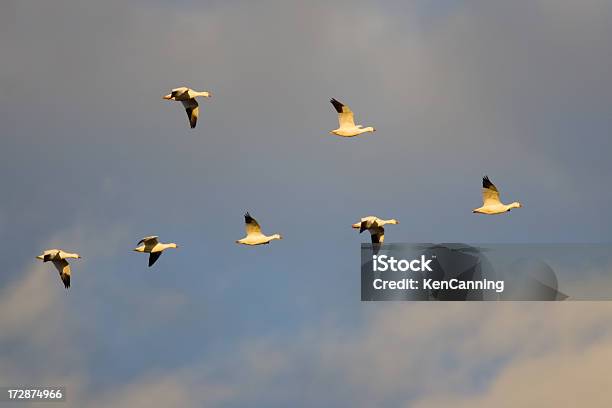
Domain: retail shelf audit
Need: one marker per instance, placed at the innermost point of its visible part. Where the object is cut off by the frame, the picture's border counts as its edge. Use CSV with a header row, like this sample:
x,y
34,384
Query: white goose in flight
x,y
346,121
491,203
376,227
187,97
153,247
58,257
254,236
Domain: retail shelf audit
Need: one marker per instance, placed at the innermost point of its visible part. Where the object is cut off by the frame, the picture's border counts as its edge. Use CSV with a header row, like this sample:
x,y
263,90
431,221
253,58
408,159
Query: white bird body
x,y
183,93
152,246
376,227
59,258
187,97
351,132
491,203
254,236
346,122
157,248
258,239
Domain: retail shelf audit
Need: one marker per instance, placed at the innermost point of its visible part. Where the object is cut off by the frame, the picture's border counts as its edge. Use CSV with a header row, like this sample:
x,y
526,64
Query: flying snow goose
x,y
58,257
346,121
254,236
376,227
187,97
491,203
153,247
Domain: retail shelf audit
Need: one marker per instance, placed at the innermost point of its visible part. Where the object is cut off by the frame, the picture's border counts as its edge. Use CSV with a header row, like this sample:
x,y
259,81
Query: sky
x,y
93,160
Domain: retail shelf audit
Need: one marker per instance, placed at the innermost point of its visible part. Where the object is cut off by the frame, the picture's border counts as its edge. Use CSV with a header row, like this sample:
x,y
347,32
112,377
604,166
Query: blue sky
x,y
93,159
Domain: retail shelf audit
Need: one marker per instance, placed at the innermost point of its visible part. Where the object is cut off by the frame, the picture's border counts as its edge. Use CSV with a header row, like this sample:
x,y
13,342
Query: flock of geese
x,y
491,203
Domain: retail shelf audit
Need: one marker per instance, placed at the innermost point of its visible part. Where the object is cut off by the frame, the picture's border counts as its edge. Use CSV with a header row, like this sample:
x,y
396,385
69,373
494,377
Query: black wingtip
x,y
337,104
247,218
193,119
153,257
486,182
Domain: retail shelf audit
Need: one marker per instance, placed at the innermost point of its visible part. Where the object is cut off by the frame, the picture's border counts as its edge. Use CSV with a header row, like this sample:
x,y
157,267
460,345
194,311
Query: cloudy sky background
x,y
93,159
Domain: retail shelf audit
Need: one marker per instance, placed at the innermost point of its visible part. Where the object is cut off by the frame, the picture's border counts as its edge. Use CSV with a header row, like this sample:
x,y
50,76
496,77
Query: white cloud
x,y
568,378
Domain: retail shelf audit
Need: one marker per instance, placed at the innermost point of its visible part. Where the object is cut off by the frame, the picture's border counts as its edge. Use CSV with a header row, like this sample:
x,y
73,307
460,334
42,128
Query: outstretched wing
x,y
192,109
368,224
180,93
149,241
363,226
345,114
490,194
63,268
154,256
378,235
251,225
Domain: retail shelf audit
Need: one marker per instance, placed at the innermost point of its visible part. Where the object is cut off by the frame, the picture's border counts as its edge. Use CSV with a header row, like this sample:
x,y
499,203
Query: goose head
x,y
515,204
